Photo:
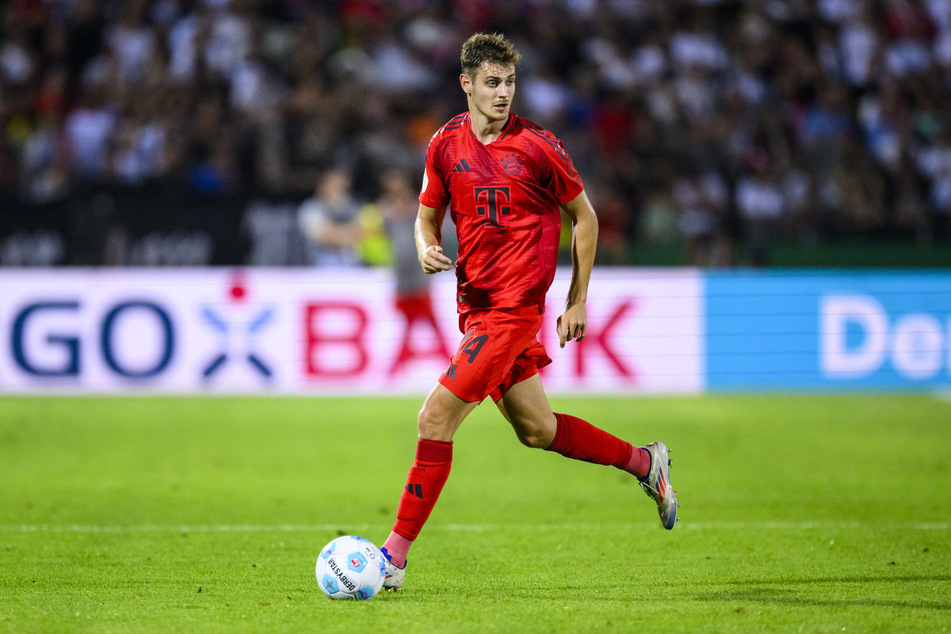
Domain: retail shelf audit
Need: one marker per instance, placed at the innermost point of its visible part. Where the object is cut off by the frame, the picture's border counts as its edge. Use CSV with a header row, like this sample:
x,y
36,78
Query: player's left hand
x,y
571,324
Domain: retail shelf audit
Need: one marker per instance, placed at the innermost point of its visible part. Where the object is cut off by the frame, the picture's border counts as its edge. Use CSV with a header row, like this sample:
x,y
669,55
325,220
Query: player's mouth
x,y
501,107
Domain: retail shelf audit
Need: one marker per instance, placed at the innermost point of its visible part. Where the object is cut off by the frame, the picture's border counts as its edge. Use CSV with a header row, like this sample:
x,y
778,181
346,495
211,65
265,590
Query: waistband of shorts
x,y
535,309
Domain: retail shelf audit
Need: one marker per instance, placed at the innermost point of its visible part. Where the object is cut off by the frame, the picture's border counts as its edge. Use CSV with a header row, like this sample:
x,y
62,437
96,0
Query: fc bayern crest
x,y
512,164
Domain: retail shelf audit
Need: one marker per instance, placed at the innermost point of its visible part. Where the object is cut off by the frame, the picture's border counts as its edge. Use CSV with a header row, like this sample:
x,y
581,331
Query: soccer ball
x,y
350,567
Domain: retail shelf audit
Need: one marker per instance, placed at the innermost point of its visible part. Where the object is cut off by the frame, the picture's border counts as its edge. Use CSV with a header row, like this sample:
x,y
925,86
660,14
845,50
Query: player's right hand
x,y
433,260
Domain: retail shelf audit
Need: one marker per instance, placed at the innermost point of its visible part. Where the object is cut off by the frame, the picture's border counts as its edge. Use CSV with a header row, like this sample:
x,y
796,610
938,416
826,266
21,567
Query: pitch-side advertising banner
x,y
828,330
316,331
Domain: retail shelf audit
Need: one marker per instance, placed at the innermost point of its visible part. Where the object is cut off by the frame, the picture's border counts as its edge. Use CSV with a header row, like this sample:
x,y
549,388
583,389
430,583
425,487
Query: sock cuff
x,y
630,462
562,434
433,450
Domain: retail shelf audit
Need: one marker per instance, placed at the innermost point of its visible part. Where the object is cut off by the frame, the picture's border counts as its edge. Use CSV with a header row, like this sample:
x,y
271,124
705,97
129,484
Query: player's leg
x,y
530,415
442,414
439,418
526,408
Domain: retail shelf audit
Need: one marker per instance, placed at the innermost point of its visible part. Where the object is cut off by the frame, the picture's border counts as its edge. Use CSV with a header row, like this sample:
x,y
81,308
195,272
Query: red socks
x,y
423,485
574,438
581,440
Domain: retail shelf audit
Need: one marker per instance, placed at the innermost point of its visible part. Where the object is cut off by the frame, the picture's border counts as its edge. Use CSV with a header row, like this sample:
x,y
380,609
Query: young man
x,y
506,179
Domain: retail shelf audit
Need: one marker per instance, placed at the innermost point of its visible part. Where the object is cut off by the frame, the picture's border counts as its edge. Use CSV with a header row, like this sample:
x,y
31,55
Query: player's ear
x,y
466,83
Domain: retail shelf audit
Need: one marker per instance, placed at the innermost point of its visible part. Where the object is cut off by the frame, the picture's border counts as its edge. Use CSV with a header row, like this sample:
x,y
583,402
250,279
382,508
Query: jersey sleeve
x,y
563,179
434,192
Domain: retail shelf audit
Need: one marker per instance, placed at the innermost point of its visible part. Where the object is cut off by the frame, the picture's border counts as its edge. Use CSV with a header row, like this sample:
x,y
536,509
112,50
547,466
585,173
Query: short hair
x,y
487,47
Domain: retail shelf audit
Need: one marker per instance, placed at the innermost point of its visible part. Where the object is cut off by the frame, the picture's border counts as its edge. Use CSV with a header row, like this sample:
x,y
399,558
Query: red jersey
x,y
504,200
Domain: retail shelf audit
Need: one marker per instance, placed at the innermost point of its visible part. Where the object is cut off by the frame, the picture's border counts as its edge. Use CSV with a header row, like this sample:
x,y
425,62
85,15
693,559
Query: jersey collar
x,y
508,126
506,129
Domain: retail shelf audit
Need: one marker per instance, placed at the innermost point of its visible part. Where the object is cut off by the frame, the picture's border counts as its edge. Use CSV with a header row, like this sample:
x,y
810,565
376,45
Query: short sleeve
x,y
564,182
433,192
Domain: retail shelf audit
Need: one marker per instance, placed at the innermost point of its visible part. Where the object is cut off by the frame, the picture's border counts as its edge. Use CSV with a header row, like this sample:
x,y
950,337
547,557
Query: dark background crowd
x,y
201,131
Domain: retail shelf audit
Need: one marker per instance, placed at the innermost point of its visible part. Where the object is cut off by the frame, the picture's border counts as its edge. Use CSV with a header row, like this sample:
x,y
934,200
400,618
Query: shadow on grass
x,y
766,591
815,580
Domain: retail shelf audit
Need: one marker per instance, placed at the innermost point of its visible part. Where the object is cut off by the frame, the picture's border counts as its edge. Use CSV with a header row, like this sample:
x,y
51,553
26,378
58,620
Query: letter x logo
x,y
224,328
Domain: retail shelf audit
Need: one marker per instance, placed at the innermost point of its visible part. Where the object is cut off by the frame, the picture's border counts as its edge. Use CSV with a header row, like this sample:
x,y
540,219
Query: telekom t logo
x,y
237,338
494,203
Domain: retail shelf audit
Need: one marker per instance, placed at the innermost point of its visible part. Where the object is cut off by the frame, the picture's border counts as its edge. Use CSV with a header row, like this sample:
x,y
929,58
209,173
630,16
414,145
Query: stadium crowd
x,y
710,123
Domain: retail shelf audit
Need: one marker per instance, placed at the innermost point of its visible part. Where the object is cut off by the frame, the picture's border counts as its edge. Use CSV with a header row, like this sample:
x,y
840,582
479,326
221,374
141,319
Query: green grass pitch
x,y
800,514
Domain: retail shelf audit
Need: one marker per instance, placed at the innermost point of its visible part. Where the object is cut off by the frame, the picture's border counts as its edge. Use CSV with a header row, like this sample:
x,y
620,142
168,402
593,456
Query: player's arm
x,y
428,238
584,243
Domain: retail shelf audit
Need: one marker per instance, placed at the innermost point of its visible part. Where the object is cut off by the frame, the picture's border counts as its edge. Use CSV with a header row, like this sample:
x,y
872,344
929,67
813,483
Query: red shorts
x,y
416,305
498,350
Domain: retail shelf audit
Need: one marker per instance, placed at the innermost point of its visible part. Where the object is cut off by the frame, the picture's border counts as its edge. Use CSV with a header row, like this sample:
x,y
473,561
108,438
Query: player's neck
x,y
486,131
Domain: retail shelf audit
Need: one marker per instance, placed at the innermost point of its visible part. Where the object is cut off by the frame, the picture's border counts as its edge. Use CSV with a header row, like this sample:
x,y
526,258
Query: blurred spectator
x,y
330,221
398,206
664,102
88,129
934,162
44,171
212,168
859,48
701,199
760,202
658,224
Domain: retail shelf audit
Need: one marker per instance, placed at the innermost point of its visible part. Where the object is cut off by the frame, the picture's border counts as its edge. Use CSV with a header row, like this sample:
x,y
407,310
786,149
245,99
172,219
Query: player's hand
x,y
433,260
571,324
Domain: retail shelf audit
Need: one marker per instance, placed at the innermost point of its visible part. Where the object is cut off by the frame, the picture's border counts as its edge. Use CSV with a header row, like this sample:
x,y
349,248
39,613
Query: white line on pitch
x,y
475,528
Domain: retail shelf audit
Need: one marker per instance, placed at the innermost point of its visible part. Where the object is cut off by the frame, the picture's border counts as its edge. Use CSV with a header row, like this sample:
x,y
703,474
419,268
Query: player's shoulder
x,y
530,132
445,137
527,125
452,127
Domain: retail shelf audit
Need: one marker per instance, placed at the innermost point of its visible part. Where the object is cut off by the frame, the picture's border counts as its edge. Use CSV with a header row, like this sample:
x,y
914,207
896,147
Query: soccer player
x,y
505,179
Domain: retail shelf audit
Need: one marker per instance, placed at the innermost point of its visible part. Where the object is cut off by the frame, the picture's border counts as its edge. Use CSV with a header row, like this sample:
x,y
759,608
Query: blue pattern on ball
x,y
329,582
350,567
356,562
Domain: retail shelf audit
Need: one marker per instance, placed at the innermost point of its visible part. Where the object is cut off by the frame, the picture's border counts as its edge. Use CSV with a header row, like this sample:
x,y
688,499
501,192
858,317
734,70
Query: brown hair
x,y
487,47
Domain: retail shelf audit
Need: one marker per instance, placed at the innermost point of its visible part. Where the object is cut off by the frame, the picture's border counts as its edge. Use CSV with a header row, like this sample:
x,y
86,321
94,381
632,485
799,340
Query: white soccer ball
x,y
350,567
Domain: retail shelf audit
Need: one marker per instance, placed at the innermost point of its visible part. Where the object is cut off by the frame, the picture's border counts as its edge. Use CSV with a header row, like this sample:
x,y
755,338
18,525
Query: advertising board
x,y
314,331
823,330
327,331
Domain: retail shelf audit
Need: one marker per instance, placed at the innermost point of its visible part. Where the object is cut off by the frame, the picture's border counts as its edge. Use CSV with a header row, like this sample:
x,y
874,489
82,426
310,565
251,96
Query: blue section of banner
x,y
828,330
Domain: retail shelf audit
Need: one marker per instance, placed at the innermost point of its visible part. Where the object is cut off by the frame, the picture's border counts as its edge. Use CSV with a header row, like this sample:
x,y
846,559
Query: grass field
x,y
800,514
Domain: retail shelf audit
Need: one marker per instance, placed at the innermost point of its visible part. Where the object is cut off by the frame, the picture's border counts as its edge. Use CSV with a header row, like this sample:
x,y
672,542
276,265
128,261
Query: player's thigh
x,y
526,407
442,413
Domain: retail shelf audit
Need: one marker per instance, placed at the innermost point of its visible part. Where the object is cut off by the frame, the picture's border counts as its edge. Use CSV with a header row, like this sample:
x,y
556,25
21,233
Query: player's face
x,y
491,90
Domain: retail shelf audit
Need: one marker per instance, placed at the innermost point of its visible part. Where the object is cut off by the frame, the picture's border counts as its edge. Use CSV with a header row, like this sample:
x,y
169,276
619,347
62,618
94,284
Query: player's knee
x,y
432,424
534,436
532,440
